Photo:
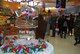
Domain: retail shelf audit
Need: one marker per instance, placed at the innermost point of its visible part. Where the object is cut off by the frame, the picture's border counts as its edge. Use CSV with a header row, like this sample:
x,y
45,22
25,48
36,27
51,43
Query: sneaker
x,y
64,37
75,44
52,36
70,34
61,36
78,42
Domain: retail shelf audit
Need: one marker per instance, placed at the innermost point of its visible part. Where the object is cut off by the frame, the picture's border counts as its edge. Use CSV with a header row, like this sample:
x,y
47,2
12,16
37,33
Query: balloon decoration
x,y
59,8
28,13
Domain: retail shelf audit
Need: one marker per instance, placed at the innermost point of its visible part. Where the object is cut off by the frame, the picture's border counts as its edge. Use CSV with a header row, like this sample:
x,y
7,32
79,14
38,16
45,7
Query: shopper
x,y
0,40
71,24
68,23
53,24
48,25
42,24
77,30
64,27
60,25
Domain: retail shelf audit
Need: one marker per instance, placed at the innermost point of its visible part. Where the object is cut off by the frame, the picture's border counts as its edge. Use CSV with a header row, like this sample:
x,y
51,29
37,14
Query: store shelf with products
x,y
0,5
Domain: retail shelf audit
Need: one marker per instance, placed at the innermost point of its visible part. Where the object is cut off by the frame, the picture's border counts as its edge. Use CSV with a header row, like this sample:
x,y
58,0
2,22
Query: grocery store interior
x,y
39,26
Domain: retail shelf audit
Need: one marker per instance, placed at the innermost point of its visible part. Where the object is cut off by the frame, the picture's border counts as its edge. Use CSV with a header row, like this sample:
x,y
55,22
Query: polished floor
x,y
64,46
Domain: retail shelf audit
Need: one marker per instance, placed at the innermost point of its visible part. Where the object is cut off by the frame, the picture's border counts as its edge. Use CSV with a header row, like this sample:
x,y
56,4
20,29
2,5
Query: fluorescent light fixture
x,y
50,8
47,8
53,8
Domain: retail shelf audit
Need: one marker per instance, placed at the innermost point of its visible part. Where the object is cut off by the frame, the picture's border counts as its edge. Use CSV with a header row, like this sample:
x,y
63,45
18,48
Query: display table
x,y
48,50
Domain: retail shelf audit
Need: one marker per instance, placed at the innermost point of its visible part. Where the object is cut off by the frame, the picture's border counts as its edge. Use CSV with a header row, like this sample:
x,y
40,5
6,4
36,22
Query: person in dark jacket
x,y
60,25
42,24
0,40
65,27
71,24
53,24
77,30
68,23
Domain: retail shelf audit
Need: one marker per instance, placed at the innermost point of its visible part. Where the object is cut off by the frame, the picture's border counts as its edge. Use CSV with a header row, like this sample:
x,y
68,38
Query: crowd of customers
x,y
64,23
49,22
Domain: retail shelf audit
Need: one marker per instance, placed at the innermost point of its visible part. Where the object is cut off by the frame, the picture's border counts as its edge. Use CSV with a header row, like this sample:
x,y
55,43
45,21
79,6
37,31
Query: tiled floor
x,y
64,46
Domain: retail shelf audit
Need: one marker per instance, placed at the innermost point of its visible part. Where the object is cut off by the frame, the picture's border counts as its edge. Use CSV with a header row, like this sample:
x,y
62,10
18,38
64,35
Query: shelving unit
x,y
0,5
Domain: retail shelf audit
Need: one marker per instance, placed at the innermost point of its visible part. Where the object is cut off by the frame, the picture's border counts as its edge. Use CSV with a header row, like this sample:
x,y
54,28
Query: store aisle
x,y
64,46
